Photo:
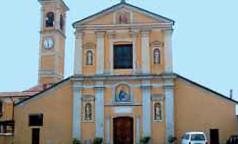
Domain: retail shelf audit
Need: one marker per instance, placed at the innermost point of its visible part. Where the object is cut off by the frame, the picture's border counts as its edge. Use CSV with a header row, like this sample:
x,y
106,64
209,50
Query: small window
x,y
123,56
36,120
89,58
50,17
156,54
61,22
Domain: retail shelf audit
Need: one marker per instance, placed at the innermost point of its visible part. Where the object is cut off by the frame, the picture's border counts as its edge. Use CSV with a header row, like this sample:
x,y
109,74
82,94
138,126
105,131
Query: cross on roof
x,y
123,1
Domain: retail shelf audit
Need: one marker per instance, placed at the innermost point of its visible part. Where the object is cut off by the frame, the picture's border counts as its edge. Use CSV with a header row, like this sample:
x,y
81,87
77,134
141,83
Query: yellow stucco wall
x,y
90,37
7,110
56,105
197,109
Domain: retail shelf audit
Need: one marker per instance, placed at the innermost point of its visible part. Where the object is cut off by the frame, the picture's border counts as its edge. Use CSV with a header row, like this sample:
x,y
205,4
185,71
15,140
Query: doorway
x,y
123,130
36,136
214,136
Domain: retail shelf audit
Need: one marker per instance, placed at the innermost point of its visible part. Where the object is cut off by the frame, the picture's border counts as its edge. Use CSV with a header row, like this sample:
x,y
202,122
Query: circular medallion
x,y
48,43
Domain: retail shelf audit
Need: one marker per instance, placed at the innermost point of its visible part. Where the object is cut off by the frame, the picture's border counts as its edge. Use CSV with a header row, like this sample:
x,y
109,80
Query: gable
x,y
133,15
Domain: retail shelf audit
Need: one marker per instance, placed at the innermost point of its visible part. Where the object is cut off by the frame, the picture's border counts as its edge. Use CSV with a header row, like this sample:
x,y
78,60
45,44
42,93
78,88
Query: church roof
x,y
206,88
27,93
45,89
119,6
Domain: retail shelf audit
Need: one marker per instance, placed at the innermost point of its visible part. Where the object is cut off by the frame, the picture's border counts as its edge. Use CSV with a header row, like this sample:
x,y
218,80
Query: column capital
x,y
78,34
99,85
77,86
168,84
168,31
100,34
145,33
111,34
133,33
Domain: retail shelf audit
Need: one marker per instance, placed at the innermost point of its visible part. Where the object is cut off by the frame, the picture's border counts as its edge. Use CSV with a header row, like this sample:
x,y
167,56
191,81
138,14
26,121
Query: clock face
x,y
48,43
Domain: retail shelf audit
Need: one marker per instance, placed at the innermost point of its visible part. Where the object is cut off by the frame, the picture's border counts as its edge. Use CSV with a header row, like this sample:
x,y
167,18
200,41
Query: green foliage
x,y
145,140
97,140
172,139
76,141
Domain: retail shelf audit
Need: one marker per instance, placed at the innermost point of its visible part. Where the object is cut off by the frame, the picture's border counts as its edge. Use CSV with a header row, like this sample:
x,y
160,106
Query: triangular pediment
x,y
123,13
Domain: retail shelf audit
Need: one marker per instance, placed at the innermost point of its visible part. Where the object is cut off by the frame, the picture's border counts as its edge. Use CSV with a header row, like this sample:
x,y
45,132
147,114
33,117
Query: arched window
x,y
49,21
88,111
157,111
61,22
156,54
89,58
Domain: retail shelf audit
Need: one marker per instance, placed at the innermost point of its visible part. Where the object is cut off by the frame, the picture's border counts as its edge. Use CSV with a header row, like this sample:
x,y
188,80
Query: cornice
x,y
47,31
107,77
147,26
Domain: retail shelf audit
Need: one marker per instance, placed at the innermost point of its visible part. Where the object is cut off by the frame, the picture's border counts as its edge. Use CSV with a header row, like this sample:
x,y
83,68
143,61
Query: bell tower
x,y
52,41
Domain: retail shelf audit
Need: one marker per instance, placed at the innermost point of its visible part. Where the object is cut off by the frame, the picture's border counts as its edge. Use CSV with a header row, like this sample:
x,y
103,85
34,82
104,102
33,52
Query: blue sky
x,y
204,43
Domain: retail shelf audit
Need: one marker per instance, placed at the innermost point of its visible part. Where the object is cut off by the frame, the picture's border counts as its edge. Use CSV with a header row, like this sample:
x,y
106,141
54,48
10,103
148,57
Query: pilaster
x,y
99,105
146,94
78,53
168,51
77,110
169,108
137,129
133,35
108,134
145,52
100,52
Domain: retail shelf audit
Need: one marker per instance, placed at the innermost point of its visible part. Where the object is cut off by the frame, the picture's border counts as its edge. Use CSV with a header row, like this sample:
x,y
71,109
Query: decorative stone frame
x,y
156,45
112,42
88,100
157,99
86,48
46,18
131,94
130,20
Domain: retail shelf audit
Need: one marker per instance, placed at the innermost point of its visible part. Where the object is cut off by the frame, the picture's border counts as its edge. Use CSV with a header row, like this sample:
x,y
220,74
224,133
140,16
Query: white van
x,y
194,138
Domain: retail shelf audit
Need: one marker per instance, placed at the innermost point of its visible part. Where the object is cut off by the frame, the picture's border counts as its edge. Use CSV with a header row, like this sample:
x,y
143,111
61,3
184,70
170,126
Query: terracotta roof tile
x,y
27,93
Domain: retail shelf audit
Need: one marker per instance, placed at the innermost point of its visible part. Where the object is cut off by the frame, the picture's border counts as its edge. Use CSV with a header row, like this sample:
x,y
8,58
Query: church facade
x,y
123,88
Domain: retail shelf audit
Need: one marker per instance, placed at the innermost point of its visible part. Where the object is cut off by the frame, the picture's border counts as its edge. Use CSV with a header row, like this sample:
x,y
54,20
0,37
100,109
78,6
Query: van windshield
x,y
197,137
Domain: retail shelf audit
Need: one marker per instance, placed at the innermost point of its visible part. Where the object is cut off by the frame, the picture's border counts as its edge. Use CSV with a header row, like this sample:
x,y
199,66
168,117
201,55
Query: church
x,y
123,88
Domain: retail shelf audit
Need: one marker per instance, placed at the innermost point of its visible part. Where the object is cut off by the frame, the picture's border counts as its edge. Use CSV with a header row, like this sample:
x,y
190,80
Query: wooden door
x,y
35,136
123,130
